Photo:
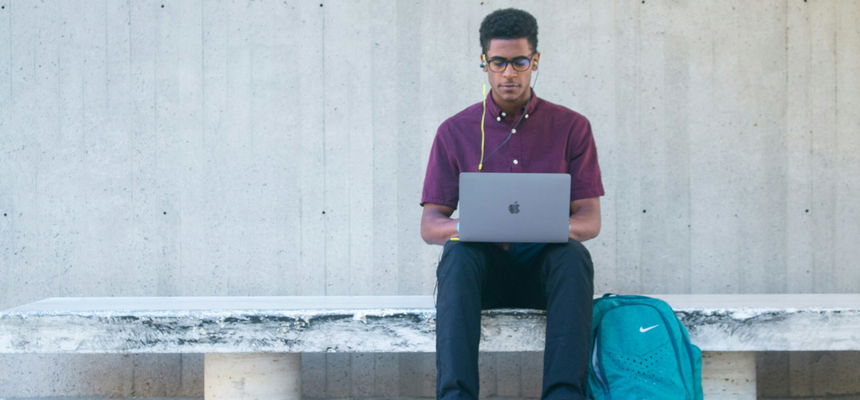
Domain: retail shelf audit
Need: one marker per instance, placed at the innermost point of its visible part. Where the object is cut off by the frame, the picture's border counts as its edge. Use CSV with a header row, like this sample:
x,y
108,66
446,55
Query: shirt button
x,y
504,114
526,116
513,130
516,162
499,119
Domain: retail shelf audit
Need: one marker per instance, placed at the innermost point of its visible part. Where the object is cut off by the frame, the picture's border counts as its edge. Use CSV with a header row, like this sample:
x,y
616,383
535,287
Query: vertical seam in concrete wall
x,y
324,156
637,97
301,200
786,144
786,367
203,118
156,123
107,63
690,267
130,132
614,192
738,231
811,144
348,212
202,126
369,286
58,285
11,51
835,224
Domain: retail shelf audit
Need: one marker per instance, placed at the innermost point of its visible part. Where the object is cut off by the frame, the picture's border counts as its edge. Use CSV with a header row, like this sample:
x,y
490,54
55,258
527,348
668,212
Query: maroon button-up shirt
x,y
549,138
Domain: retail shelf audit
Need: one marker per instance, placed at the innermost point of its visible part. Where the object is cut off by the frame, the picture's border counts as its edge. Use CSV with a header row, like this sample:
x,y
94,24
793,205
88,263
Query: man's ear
x,y
484,62
535,62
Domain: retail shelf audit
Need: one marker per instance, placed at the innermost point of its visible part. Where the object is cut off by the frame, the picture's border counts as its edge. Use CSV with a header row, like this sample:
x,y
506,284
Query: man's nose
x,y
509,70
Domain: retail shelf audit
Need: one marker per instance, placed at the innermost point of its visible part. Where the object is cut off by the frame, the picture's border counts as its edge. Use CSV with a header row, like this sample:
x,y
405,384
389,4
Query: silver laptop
x,y
514,207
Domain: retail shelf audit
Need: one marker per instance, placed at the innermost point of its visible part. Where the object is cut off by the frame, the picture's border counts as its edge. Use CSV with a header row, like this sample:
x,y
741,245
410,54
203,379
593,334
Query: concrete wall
x,y
278,148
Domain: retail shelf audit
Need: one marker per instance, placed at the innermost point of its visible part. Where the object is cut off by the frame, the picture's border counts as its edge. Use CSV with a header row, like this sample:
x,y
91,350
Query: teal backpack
x,y
641,351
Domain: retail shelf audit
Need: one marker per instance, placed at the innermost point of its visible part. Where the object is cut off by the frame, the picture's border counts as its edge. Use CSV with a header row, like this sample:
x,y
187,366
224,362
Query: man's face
x,y
510,86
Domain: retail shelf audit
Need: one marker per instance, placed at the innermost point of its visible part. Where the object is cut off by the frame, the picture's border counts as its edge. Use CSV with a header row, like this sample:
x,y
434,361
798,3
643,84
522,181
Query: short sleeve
x,y
585,180
442,179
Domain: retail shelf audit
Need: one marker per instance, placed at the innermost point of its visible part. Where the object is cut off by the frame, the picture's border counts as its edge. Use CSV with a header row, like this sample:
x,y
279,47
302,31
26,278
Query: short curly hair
x,y
509,23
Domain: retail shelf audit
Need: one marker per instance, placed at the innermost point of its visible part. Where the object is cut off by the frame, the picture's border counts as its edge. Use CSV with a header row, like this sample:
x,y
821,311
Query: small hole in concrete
x,y
807,210
644,211
2,7
164,212
323,212
321,4
162,6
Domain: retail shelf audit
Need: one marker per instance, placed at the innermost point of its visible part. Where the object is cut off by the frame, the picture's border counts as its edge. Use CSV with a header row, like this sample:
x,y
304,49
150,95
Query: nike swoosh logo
x,y
643,330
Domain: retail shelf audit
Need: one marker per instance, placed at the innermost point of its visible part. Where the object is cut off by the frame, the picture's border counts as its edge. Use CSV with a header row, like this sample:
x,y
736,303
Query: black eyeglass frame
x,y
512,61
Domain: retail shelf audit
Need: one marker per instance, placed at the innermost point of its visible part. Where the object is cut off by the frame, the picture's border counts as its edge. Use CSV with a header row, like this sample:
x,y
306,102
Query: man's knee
x,y
461,258
571,258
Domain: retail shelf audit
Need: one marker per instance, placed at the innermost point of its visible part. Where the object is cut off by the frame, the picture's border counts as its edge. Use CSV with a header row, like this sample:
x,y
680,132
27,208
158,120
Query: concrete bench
x,y
253,345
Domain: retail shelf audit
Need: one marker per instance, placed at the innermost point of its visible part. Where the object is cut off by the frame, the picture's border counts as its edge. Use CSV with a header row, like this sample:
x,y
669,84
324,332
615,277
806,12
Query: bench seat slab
x,y
371,324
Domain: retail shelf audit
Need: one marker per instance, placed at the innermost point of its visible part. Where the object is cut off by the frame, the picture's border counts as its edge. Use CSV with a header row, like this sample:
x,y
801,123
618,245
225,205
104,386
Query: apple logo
x,y
514,208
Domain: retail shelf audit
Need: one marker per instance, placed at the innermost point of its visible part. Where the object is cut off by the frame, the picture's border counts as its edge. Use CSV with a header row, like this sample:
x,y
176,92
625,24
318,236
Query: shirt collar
x,y
494,111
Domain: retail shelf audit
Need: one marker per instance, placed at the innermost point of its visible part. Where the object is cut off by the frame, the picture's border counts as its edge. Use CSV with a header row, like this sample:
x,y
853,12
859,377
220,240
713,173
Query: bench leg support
x,y
729,375
259,376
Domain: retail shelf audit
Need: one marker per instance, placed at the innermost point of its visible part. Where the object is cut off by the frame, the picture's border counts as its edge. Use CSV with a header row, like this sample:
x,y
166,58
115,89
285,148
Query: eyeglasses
x,y
498,64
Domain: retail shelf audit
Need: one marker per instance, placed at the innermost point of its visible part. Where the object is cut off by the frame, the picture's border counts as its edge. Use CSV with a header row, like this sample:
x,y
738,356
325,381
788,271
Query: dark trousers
x,y
476,276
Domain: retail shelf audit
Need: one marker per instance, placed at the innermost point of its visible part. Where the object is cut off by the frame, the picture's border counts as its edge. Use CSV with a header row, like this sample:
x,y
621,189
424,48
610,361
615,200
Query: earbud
x,y
483,61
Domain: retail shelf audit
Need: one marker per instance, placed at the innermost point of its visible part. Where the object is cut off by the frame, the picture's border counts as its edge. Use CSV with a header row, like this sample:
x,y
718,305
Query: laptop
x,y
514,207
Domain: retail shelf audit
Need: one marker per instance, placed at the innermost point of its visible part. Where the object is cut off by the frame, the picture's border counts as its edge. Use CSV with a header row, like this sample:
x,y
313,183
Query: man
x,y
524,133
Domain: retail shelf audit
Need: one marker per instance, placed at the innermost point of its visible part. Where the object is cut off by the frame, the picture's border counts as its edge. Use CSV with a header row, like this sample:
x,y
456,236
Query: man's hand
x,y
437,226
584,219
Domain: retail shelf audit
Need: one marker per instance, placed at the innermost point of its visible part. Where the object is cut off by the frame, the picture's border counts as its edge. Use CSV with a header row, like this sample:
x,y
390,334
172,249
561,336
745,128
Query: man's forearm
x,y
585,219
582,229
438,229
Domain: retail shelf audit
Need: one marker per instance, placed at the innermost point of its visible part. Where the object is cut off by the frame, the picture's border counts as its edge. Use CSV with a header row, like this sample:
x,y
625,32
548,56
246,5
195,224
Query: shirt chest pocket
x,y
549,163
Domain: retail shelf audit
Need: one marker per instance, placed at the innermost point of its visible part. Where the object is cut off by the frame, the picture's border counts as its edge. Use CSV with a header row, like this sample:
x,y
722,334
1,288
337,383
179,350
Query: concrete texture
x,y
729,376
277,148
254,376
